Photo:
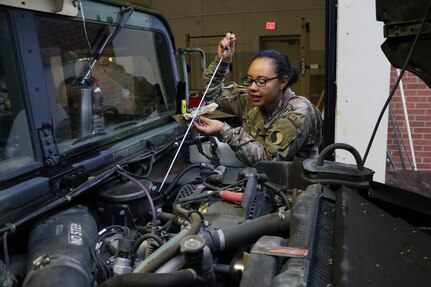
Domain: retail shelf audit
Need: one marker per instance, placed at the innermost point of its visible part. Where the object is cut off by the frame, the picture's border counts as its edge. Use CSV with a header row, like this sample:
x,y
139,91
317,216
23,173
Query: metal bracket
x,y
405,29
50,153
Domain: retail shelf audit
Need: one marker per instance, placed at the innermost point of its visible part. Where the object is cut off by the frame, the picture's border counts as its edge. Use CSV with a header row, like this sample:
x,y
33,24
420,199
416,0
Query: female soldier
x,y
276,123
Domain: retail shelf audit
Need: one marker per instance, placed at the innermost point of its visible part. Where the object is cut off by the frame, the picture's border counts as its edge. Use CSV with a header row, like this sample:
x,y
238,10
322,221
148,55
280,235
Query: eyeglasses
x,y
260,82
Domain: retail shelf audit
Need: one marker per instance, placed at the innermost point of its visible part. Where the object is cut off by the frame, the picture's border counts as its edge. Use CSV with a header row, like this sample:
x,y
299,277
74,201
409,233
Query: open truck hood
x,y
402,21
407,23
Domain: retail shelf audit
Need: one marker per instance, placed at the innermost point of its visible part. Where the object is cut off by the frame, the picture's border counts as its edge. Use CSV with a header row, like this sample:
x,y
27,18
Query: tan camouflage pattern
x,y
293,129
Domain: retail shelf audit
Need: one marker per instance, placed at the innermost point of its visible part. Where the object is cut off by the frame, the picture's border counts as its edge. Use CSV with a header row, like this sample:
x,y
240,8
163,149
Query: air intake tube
x,y
248,232
60,250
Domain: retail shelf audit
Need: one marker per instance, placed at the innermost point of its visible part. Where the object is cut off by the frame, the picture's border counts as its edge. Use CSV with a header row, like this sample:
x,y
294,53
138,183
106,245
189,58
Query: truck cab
x,y
85,86
80,93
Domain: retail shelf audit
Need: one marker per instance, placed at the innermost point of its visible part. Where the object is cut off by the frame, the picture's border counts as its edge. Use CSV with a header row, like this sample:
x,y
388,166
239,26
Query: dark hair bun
x,y
293,78
282,63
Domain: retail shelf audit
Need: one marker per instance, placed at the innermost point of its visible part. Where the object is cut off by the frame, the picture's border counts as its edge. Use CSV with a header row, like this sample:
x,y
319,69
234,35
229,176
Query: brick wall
x,y
418,102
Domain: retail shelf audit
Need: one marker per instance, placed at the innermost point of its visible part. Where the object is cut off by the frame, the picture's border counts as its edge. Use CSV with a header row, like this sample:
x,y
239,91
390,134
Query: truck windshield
x,y
16,148
131,86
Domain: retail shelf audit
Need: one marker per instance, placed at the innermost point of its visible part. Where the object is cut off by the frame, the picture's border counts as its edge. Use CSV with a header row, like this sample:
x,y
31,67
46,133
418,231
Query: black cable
x,y
153,155
213,187
210,186
100,262
279,190
168,192
100,266
150,168
397,82
197,197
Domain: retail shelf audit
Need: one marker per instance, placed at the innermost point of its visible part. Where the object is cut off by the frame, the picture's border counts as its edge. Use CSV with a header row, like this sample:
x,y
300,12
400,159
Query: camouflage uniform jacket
x,y
293,129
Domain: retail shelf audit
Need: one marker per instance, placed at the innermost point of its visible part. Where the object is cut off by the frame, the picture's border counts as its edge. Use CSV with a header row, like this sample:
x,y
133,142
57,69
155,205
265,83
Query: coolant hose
x,y
235,236
182,278
171,248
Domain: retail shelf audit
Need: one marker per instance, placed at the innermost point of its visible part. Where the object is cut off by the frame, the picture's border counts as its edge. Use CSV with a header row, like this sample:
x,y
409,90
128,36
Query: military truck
x,y
100,186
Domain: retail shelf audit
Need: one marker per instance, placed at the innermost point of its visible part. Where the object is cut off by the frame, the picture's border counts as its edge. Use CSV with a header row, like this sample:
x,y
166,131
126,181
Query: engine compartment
x,y
201,229
204,221
274,224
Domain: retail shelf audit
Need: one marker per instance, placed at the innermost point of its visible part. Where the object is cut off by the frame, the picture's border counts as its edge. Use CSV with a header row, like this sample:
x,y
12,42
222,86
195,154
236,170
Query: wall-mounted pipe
x,y
406,118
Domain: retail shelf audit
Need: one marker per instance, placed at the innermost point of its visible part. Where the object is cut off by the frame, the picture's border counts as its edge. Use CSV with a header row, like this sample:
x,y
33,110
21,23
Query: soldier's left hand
x,y
208,127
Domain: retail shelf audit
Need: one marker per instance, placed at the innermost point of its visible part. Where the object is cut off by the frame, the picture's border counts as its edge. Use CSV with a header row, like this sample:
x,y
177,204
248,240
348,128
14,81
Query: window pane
x,y
16,149
130,87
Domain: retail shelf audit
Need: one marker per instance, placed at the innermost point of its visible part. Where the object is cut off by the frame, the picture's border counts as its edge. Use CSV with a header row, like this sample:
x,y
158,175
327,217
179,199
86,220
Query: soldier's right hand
x,y
226,47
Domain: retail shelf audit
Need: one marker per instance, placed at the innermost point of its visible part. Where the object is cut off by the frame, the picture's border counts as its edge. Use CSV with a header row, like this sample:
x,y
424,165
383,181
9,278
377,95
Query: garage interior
x,y
297,29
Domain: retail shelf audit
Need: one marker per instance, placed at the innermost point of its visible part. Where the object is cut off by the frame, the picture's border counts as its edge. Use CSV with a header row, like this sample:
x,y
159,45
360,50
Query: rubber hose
x,y
171,248
249,232
181,211
284,198
182,278
166,216
148,236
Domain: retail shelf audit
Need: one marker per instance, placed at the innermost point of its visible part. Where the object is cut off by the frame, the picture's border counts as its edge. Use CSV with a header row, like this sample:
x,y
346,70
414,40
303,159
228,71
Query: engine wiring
x,y
151,155
90,183
99,245
211,195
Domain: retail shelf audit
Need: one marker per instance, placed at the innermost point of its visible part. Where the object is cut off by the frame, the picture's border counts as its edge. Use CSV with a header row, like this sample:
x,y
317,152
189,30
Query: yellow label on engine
x,y
203,208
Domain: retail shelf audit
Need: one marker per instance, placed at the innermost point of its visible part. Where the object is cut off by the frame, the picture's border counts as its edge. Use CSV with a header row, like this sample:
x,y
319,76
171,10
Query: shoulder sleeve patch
x,y
281,135
276,137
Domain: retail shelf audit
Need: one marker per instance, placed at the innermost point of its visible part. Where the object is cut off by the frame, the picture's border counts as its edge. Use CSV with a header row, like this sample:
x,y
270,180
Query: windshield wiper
x,y
127,12
83,139
126,124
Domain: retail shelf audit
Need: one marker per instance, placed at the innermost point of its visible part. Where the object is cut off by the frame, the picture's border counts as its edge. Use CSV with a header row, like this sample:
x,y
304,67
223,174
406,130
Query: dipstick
x,y
193,119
